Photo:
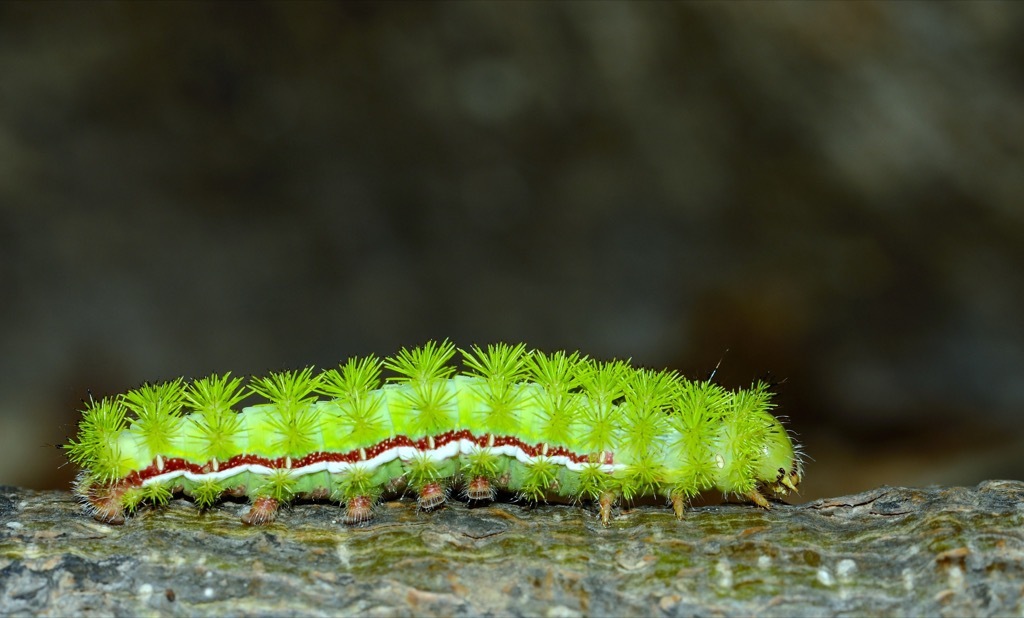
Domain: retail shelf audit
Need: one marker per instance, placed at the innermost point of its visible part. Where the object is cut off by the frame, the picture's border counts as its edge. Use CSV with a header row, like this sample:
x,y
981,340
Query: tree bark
x,y
936,551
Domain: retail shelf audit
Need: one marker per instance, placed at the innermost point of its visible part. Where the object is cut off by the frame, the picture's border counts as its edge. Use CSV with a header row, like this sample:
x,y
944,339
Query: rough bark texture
x,y
936,551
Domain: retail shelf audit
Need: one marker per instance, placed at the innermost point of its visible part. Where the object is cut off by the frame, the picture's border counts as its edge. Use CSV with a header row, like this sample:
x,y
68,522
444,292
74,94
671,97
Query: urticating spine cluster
x,y
513,419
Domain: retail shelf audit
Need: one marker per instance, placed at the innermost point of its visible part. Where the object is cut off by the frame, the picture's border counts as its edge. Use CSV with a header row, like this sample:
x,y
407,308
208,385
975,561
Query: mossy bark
x,y
935,551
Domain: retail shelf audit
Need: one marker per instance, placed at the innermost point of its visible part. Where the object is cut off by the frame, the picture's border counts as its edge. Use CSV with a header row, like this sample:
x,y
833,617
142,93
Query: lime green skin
x,y
585,439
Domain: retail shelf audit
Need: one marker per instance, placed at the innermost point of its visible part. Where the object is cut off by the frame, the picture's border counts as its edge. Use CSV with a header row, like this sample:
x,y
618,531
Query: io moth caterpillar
x,y
515,419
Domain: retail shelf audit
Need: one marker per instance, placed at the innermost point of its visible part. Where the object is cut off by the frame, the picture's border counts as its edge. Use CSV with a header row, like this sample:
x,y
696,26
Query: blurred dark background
x,y
827,195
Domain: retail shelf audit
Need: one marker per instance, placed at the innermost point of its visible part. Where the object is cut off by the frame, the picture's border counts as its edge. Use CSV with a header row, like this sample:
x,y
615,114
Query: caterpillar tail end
x,y
105,503
107,507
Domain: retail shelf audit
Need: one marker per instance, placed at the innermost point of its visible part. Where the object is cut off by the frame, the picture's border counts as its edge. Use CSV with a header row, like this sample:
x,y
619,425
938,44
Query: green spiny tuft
x,y
430,403
651,390
642,477
293,419
697,412
558,414
499,364
482,462
557,372
278,485
358,481
217,425
744,434
501,367
207,492
158,411
602,384
760,400
426,363
214,393
594,481
421,469
157,493
539,476
133,498
97,449
432,406
353,385
354,380
647,396
289,389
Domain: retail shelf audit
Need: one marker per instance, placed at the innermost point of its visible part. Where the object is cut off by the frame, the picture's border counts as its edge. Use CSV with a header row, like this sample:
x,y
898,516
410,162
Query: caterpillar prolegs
x,y
514,419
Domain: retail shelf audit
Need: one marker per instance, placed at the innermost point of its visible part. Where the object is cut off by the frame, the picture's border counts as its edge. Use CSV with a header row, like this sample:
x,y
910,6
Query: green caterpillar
x,y
514,419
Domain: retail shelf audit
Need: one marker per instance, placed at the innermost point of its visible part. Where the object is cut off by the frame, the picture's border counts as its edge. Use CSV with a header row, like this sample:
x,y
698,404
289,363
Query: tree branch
x,y
935,551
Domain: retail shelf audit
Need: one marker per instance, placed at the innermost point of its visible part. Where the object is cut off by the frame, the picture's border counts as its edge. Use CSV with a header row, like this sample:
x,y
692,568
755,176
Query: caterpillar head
x,y
780,467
